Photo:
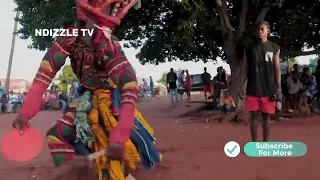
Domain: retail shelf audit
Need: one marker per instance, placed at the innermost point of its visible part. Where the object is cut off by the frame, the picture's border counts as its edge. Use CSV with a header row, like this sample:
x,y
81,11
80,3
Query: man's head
x,y
219,69
171,69
263,30
306,70
150,77
205,69
296,67
182,71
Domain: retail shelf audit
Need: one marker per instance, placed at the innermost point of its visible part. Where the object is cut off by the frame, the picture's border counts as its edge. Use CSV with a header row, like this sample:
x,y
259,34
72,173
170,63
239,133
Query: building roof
x,y
17,83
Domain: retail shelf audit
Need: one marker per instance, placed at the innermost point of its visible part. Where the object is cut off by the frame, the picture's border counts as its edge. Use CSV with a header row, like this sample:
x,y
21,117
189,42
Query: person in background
x,y
172,85
15,101
145,84
181,82
294,88
219,83
296,68
310,85
2,89
227,103
206,82
152,86
317,76
4,100
64,100
188,85
23,95
53,88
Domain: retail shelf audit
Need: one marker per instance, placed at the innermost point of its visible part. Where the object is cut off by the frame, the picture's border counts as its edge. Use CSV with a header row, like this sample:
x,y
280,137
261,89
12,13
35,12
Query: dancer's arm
x,y
123,75
53,60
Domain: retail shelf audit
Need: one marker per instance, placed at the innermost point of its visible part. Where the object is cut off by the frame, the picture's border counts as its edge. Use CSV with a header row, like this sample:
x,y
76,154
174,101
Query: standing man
x,y
264,80
172,84
206,82
152,86
181,84
188,85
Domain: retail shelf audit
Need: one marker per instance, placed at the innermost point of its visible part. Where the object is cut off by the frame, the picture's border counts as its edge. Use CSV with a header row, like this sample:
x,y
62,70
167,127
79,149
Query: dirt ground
x,y
192,149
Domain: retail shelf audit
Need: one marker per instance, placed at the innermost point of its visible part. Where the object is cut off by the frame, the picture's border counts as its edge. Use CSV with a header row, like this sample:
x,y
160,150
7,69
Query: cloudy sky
x,y
26,61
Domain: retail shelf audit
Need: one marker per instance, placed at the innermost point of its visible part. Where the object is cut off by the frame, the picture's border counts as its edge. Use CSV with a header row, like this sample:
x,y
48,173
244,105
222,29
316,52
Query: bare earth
x,y
192,150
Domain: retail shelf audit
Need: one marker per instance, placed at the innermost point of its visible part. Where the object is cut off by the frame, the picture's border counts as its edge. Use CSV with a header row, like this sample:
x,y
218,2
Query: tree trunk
x,y
238,68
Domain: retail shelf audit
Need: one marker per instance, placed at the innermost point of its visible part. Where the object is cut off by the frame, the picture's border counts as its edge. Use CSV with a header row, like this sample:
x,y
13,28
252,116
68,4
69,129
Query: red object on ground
x,y
22,148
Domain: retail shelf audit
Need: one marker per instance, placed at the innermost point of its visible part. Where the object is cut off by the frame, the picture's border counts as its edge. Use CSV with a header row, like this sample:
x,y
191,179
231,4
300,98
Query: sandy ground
x,y
192,149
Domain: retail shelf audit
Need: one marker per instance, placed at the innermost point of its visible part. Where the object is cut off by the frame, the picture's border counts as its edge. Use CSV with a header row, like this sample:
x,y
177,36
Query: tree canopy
x,y
189,30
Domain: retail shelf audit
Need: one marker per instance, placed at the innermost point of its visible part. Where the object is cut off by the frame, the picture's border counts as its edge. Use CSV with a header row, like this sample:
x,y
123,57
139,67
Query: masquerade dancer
x,y
104,115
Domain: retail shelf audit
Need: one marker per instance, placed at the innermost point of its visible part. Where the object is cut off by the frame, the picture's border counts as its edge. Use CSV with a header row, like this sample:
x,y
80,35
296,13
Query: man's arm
x,y
167,79
124,76
52,62
277,70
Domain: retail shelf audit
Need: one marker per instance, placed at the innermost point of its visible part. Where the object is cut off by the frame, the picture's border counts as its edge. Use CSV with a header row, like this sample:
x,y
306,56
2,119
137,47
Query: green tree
x,y
193,30
292,61
163,79
67,76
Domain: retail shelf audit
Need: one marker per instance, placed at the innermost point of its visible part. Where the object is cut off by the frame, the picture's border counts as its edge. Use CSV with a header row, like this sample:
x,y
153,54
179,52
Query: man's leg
x,y
205,89
267,107
253,105
265,126
189,94
176,94
171,94
254,115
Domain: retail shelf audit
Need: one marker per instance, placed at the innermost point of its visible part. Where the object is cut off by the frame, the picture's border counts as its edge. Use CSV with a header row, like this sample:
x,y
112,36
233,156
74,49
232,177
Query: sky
x,y
26,61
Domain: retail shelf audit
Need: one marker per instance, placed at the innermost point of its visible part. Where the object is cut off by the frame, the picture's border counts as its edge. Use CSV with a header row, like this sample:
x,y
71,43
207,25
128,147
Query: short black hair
x,y
266,23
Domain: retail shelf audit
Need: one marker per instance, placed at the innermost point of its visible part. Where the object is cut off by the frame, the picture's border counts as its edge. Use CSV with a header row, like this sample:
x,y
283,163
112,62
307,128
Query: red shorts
x,y
206,88
263,104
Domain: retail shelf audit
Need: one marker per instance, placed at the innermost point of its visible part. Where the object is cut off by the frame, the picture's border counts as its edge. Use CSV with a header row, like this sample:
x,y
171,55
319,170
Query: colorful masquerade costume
x,y
105,110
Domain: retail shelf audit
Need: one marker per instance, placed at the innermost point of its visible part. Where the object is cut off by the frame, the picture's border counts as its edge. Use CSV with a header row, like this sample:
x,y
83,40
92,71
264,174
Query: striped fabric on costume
x,y
106,103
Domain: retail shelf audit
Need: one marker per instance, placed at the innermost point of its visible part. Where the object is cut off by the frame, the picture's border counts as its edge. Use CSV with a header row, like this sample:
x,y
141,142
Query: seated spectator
x,y
310,87
4,100
227,103
294,88
52,96
64,100
49,99
15,100
317,95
